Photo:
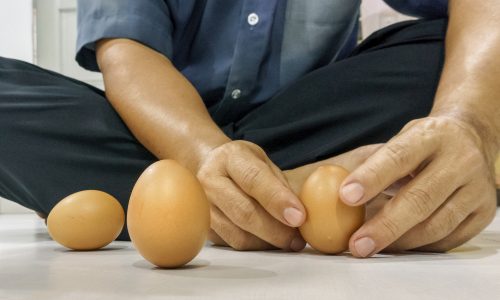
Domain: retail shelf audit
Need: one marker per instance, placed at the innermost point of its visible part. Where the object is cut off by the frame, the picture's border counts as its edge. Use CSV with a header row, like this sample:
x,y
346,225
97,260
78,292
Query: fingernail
x,y
297,244
353,192
364,246
293,216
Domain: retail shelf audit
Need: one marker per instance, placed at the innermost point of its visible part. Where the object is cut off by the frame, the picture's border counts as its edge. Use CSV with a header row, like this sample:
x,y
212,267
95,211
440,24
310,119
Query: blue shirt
x,y
235,52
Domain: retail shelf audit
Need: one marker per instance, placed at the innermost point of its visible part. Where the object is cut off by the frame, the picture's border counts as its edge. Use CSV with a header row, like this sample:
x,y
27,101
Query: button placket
x,y
250,50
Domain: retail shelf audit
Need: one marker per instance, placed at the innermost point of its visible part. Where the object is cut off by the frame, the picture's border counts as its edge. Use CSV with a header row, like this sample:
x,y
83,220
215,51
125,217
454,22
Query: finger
x,y
394,188
216,239
469,228
278,173
352,159
441,223
245,213
234,236
375,205
393,161
257,179
412,205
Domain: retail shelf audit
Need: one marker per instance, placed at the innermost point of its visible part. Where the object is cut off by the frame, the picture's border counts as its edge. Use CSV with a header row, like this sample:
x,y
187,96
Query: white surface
x,y
9,207
16,31
34,267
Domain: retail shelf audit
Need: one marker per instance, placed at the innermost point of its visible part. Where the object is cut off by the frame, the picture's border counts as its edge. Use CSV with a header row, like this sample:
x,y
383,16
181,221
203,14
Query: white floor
x,y
34,267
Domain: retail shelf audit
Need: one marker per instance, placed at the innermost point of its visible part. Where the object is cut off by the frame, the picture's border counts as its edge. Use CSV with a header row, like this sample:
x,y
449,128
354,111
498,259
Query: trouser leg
x,y
59,136
367,98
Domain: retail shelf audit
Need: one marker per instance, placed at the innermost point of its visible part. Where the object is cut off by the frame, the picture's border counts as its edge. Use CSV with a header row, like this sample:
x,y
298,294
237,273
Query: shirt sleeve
x,y
421,8
146,21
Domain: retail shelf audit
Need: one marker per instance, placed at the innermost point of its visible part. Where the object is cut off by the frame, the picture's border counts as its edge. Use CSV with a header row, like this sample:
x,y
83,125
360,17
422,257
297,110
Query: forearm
x,y
161,108
470,84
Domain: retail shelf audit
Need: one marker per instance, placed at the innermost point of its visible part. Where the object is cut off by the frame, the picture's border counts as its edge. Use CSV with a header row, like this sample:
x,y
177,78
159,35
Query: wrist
x,y
201,149
479,125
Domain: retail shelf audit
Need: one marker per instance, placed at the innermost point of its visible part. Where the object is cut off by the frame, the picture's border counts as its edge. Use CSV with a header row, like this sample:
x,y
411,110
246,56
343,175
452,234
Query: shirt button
x,y
236,94
253,19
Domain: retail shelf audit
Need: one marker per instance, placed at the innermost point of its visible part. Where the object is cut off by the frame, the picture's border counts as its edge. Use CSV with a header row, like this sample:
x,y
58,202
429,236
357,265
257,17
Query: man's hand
x,y
253,207
449,199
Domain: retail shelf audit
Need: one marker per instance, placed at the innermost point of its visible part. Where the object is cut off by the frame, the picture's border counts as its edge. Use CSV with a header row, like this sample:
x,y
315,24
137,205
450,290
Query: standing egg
x,y
87,220
330,223
168,215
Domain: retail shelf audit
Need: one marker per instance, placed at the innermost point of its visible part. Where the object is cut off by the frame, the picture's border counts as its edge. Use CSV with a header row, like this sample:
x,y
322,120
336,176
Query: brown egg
x,y
87,220
330,223
497,167
168,215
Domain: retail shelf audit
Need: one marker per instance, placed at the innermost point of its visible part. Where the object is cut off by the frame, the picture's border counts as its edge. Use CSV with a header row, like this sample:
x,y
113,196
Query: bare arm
x,y
158,104
470,84
252,204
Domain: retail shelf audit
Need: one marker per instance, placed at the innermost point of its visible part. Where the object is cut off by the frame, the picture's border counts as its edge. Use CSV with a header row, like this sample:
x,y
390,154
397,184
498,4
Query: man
x,y
252,96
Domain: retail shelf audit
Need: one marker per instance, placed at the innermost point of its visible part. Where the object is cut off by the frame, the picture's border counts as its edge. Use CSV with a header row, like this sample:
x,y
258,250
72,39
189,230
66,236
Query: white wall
x,y
16,36
375,14
56,40
16,30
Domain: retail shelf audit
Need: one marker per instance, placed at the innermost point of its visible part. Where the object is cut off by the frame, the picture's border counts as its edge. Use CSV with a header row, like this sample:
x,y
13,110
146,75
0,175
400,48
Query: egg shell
x,y
329,223
86,220
168,215
497,168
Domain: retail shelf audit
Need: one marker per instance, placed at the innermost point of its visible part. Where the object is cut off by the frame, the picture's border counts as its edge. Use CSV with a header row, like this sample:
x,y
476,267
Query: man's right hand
x,y
252,204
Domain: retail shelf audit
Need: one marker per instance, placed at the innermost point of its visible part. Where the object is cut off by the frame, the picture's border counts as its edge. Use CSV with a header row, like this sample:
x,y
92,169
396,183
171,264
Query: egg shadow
x,y
203,269
276,251
62,249
313,252
195,264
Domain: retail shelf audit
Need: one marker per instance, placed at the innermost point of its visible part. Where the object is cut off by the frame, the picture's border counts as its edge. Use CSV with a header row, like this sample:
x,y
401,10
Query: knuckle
x,y
204,177
420,201
275,199
234,146
203,171
256,149
460,210
411,124
398,155
246,215
390,227
373,173
441,228
432,123
473,157
214,192
474,161
249,177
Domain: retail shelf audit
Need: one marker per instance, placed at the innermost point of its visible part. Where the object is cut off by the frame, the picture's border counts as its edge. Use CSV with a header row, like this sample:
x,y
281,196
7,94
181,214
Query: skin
x,y
447,191
449,154
248,193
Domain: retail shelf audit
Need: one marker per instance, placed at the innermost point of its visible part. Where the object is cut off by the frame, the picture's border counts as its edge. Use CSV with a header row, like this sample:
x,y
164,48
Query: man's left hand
x,y
449,199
